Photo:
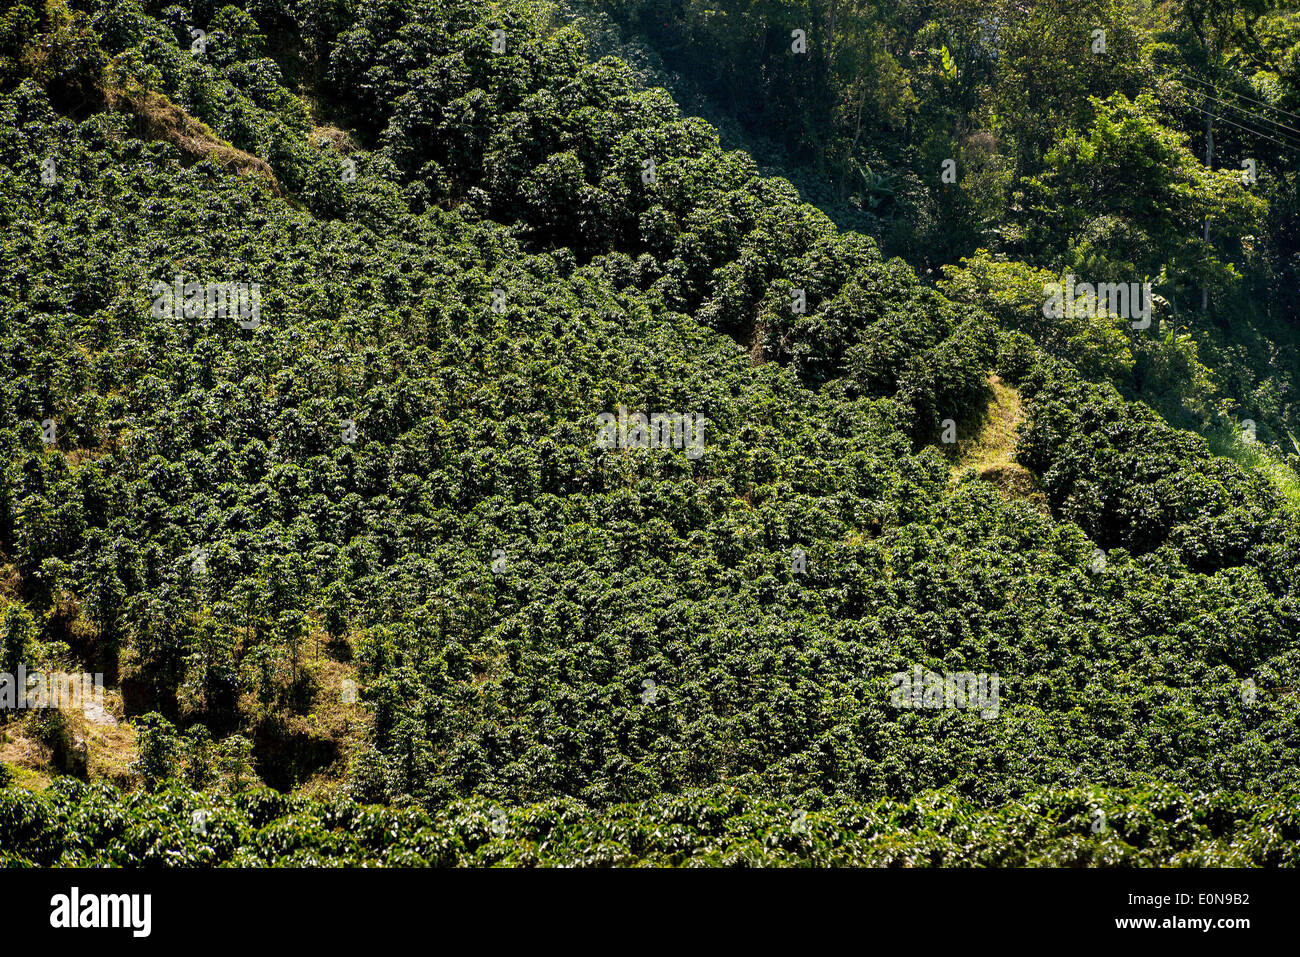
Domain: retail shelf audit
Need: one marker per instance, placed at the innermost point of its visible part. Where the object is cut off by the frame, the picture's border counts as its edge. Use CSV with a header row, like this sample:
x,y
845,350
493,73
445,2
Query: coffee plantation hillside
x,y
339,518
78,825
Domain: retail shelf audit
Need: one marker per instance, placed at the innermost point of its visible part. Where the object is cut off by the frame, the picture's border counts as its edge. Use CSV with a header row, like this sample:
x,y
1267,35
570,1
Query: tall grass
x,y
1233,443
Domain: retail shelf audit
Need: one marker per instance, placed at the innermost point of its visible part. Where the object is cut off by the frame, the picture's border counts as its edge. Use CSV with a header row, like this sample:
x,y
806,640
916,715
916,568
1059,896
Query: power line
x,y
1258,117
1281,129
1223,119
1267,106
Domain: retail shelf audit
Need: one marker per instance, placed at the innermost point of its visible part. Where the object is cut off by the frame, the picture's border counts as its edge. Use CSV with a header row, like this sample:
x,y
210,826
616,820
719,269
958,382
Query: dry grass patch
x,y
159,118
109,747
332,136
991,452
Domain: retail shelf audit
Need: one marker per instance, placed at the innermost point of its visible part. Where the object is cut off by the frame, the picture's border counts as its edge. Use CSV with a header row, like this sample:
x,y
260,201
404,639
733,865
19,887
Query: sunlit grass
x,y
1261,458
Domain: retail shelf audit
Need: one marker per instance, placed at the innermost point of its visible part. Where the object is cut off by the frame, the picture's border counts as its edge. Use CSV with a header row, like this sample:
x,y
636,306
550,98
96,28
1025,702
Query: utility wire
x,y
1286,140
1267,106
1282,129
1285,145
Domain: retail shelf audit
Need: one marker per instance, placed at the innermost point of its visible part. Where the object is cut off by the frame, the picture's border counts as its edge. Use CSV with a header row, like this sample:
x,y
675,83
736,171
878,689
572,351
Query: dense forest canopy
x,y
612,432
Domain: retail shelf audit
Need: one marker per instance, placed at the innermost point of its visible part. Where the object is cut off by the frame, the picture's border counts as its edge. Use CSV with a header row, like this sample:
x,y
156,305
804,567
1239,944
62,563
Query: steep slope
x,y
398,456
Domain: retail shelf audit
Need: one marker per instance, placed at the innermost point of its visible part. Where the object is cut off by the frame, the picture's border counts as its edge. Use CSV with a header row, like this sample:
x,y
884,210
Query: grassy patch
x,y
1258,457
991,449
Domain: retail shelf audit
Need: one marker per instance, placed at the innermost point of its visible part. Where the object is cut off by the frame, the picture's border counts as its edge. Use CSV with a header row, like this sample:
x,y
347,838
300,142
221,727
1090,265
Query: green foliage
x,y
157,746
233,759
1129,198
510,589
86,826
197,748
